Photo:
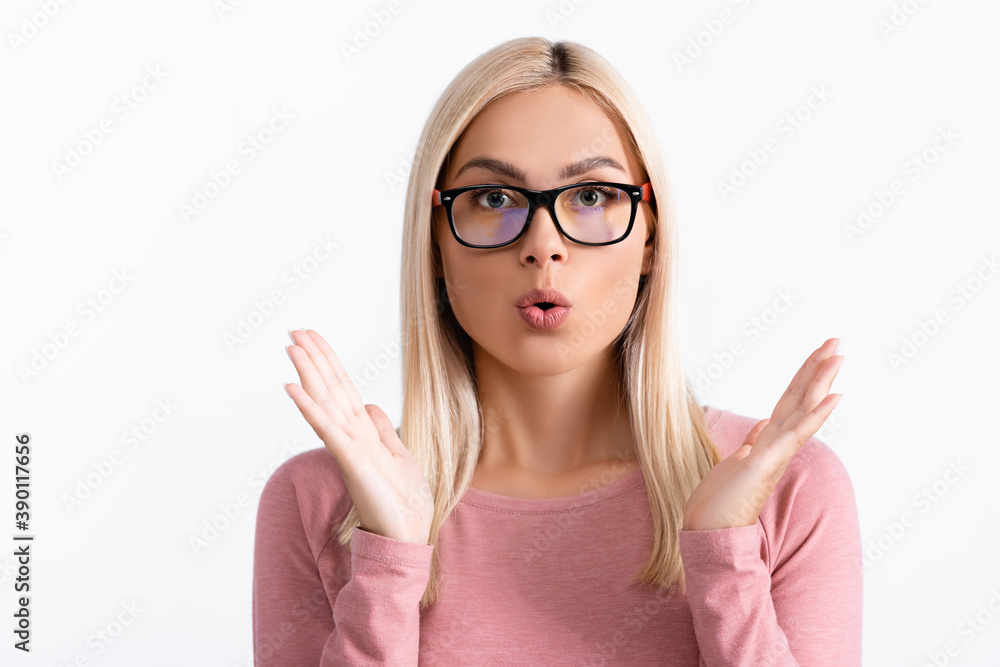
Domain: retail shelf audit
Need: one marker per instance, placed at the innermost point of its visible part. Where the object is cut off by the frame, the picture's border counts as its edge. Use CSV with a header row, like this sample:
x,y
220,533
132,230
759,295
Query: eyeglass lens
x,y
589,213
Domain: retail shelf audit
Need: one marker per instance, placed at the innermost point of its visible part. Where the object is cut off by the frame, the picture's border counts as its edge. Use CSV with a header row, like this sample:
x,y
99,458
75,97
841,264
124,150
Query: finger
x,y
386,431
751,437
793,395
756,454
350,391
801,429
333,392
819,388
816,392
796,388
748,442
312,382
336,441
336,383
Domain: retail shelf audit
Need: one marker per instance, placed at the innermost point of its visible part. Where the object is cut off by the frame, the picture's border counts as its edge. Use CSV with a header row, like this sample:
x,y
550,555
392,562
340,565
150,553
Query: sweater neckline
x,y
594,496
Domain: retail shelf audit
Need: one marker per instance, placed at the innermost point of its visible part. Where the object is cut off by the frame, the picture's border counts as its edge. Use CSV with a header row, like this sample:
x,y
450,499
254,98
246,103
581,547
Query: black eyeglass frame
x,y
546,199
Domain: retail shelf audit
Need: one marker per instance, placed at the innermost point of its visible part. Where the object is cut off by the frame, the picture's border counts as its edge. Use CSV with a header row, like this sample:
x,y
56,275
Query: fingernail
x,y
284,385
840,346
290,335
289,354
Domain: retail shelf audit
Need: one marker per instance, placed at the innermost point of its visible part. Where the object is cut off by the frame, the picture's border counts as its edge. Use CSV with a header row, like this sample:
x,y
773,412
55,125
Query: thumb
x,y
751,437
386,431
744,450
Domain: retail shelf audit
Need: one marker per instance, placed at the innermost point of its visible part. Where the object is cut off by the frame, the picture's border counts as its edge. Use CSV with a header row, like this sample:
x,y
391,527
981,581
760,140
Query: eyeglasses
x,y
492,216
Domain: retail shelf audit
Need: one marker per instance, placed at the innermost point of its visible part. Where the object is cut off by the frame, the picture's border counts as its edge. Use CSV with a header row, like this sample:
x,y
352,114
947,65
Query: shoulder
x,y
813,500
306,490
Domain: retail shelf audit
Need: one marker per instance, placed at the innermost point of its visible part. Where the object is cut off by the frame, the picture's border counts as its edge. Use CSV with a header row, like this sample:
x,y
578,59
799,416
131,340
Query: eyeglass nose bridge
x,y
544,199
541,200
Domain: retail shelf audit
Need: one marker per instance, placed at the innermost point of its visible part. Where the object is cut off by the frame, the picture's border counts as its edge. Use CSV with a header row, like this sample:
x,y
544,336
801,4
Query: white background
x,y
355,120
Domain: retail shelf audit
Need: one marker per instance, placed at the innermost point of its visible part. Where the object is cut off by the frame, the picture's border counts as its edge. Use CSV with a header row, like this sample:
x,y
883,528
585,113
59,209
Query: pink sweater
x,y
545,581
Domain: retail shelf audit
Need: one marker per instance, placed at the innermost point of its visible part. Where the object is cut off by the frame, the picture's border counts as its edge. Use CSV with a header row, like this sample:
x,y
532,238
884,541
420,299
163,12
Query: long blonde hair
x,y
442,423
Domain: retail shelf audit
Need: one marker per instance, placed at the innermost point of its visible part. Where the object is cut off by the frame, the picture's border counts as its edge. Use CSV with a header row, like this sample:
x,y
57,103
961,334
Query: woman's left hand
x,y
735,490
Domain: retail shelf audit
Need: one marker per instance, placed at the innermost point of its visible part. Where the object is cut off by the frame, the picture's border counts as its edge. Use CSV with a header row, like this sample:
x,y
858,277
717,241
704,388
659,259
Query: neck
x,y
555,424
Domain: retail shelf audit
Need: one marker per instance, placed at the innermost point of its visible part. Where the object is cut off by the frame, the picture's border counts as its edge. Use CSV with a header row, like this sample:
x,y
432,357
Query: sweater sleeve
x,y
786,590
309,607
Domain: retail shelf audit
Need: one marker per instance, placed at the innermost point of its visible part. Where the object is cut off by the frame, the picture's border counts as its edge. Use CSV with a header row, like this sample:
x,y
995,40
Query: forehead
x,y
541,131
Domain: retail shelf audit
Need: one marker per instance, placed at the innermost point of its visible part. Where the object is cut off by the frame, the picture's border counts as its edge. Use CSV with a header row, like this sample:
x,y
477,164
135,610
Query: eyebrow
x,y
517,174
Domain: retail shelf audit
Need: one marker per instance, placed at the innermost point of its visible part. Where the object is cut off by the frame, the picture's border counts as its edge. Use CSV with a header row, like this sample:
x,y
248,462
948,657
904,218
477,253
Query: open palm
x,y
733,493
385,482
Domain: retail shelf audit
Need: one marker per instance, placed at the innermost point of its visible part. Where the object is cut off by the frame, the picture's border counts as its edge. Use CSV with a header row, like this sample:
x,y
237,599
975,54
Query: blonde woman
x,y
554,495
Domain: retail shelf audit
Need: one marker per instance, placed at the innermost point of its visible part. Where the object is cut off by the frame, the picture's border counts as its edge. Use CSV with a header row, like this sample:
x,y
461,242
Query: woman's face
x,y
540,132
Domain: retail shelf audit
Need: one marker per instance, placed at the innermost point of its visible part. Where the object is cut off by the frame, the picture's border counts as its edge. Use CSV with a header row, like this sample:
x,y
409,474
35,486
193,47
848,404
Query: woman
x,y
560,498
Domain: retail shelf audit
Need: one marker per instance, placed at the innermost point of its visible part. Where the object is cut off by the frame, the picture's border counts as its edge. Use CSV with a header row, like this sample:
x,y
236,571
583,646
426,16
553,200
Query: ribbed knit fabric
x,y
546,581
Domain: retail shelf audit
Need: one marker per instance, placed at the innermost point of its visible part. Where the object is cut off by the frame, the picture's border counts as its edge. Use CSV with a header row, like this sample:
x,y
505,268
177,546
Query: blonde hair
x,y
442,423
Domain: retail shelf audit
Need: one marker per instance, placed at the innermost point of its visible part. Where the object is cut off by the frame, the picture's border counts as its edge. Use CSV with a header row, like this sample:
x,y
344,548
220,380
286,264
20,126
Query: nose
x,y
542,238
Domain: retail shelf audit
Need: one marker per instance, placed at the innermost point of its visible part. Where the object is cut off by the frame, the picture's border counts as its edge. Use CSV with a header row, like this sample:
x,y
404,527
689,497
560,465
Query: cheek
x,y
611,295
610,304
474,289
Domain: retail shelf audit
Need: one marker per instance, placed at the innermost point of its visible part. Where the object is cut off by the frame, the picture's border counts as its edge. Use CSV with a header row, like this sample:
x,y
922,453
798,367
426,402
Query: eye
x,y
595,195
492,198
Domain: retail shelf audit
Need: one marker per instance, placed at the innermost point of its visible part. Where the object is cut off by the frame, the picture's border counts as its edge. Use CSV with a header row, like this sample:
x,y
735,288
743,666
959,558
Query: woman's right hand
x,y
385,482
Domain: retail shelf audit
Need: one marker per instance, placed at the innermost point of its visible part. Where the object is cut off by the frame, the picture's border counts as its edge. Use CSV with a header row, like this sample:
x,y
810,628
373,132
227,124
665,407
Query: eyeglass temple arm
x,y
647,194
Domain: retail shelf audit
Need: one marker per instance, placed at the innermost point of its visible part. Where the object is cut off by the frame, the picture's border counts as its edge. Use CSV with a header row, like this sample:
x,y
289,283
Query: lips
x,y
543,309
544,319
543,298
